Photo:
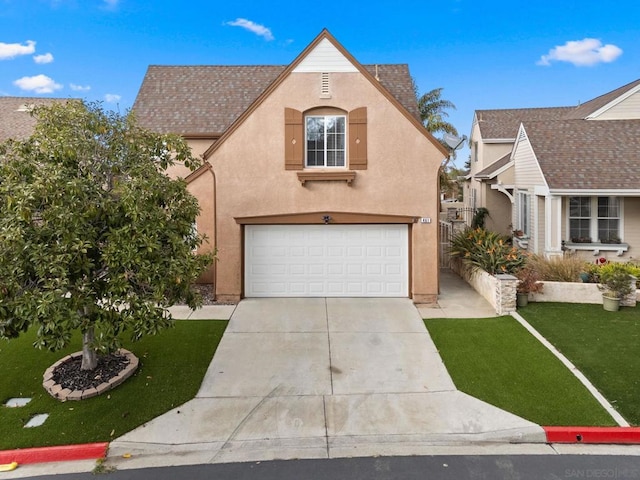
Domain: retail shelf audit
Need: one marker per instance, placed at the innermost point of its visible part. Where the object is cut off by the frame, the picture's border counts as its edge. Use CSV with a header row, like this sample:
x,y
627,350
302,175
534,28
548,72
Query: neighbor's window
x,y
326,140
524,213
580,219
608,220
594,219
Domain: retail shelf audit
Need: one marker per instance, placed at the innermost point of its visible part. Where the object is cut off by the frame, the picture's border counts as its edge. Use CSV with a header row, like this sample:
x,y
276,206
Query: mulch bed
x,y
69,375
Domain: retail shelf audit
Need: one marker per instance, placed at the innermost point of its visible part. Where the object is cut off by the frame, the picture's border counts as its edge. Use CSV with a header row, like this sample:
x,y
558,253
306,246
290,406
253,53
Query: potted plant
x,y
615,283
528,282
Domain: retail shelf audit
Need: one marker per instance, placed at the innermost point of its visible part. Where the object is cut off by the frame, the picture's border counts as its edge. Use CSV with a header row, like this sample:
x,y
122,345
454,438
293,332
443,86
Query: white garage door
x,y
326,261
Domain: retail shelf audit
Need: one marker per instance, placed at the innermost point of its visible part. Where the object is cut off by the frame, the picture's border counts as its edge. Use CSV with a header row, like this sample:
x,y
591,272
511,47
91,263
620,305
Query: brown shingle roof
x,y
504,123
15,120
206,100
489,171
587,154
592,106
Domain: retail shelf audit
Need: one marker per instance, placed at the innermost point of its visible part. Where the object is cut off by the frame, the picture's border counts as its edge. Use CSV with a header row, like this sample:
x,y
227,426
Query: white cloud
x,y
256,28
44,58
38,84
12,50
582,53
79,88
112,98
111,4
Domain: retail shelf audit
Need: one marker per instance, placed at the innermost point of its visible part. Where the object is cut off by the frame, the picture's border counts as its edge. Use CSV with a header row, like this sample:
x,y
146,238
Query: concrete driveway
x,y
319,378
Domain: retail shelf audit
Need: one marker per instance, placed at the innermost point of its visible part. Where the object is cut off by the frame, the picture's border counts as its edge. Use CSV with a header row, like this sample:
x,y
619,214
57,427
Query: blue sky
x,y
485,54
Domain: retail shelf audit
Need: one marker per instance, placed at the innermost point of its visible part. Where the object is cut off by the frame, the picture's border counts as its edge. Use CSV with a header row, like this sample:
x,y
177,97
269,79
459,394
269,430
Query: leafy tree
x,y
94,236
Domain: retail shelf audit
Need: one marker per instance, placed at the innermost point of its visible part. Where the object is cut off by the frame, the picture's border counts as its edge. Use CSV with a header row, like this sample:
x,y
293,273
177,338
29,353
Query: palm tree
x,y
432,108
433,112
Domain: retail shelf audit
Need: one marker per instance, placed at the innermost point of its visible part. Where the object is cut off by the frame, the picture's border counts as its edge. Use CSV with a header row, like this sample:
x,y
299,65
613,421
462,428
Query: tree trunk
x,y
89,356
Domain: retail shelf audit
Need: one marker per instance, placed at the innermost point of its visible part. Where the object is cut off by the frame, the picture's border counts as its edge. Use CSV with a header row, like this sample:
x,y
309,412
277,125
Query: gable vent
x,y
324,85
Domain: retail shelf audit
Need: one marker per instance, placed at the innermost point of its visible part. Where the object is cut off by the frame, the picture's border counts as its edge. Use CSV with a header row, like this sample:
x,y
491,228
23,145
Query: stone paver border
x,y
63,394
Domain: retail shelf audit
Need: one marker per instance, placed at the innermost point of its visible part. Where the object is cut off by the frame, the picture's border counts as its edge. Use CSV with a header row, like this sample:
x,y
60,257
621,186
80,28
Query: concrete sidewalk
x,y
321,378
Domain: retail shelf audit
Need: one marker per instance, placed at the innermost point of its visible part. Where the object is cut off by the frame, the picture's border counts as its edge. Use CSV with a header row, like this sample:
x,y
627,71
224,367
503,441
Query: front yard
x,y
605,346
498,361
171,369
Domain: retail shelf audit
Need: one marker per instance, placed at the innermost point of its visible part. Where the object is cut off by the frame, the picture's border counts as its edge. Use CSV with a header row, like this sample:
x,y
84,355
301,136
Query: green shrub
x,y
615,279
602,267
487,250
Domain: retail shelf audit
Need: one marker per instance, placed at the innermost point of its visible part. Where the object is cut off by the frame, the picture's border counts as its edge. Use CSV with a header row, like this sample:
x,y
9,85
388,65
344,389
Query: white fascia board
x,y
541,191
498,140
593,192
503,169
613,103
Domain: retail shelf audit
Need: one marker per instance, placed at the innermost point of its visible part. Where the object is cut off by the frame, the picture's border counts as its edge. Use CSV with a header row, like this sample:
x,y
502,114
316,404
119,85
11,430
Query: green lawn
x,y
605,346
498,361
171,369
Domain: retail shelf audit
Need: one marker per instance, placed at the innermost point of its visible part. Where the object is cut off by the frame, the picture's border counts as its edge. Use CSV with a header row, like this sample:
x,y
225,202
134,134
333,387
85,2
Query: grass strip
x,y
499,362
605,346
171,369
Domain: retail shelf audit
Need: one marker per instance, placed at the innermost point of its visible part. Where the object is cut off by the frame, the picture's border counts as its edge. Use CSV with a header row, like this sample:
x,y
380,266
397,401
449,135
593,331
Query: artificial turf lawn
x,y
171,369
605,346
498,361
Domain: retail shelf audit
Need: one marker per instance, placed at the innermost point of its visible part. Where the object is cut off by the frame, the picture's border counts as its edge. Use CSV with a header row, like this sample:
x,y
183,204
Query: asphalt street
x,y
489,467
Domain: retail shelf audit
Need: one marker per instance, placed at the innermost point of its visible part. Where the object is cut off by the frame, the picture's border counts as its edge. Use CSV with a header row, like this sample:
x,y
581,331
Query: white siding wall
x,y
631,232
627,109
325,58
527,170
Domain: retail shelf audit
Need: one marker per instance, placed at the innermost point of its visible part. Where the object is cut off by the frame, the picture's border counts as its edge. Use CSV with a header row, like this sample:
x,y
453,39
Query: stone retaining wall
x,y
498,290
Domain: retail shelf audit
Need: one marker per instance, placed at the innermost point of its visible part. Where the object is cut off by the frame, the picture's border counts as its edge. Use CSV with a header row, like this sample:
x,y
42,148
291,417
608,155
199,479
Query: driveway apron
x,y
318,378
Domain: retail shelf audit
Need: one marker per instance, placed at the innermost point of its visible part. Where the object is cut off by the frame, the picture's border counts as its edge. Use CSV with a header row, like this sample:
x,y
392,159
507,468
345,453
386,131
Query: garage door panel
x,y
326,260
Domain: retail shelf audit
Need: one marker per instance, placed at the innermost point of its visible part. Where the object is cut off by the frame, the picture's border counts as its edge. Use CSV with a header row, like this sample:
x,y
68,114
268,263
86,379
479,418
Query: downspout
x,y
215,229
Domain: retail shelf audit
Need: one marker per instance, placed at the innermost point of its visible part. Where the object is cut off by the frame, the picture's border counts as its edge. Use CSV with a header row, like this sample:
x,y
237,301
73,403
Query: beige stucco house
x,y
318,178
566,179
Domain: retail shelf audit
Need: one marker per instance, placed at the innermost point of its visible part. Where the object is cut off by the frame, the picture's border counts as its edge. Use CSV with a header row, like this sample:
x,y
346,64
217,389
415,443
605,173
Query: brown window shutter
x,y
358,139
293,140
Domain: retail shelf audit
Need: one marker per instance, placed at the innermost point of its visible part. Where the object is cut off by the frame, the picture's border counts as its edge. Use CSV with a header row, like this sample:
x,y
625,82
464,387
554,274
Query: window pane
x,y
579,230
326,140
608,207
608,231
580,207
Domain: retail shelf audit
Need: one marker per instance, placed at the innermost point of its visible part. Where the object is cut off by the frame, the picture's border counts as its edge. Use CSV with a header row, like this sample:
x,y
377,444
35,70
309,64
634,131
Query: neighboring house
x,y
16,121
319,178
564,179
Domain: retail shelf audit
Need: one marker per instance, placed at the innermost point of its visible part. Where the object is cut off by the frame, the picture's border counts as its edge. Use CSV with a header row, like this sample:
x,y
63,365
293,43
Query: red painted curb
x,y
62,453
603,435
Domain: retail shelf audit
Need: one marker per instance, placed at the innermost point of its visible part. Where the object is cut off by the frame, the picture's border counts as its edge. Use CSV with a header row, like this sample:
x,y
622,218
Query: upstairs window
x,y
325,140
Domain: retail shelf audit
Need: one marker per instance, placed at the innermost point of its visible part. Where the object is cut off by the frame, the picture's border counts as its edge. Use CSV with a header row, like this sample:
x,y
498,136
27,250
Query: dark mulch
x,y
69,375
